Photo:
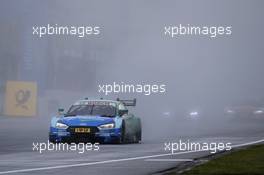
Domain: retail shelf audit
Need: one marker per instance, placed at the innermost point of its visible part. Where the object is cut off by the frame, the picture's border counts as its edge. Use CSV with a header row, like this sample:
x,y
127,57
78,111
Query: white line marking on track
x,y
169,160
248,143
115,160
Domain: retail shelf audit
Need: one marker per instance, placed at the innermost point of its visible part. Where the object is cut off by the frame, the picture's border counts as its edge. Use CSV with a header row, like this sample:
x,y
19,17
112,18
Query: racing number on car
x,y
20,98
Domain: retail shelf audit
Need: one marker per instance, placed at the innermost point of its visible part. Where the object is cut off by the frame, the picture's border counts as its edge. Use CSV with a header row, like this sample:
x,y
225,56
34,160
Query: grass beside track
x,y
246,161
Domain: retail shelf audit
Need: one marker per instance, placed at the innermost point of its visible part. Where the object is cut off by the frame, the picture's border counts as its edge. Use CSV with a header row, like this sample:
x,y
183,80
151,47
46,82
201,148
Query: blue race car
x,y
104,121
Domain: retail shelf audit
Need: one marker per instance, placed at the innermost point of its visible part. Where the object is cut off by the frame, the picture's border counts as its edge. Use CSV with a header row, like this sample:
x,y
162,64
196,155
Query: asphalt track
x,y
17,157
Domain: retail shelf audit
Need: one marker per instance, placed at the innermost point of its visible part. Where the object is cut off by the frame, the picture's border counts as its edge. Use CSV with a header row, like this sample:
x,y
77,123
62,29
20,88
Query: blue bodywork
x,y
102,135
104,121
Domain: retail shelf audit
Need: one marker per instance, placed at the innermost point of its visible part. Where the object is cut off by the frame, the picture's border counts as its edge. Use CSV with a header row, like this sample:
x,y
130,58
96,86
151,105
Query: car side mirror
x,y
122,112
60,111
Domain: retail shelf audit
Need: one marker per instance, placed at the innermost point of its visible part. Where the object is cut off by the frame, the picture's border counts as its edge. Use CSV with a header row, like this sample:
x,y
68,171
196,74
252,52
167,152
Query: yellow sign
x,y
21,98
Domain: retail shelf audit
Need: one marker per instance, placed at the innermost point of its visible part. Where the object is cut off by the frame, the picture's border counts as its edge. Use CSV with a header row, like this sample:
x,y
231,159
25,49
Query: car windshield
x,y
92,110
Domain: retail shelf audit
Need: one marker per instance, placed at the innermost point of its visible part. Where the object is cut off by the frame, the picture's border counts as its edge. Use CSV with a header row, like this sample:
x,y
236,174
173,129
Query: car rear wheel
x,y
139,137
121,139
139,133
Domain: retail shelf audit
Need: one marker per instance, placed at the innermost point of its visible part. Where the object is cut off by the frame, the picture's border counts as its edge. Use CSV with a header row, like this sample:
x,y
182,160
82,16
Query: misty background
x,y
200,73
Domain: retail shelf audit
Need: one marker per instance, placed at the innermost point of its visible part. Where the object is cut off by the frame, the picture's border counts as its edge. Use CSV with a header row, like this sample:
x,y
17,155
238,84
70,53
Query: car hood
x,y
86,120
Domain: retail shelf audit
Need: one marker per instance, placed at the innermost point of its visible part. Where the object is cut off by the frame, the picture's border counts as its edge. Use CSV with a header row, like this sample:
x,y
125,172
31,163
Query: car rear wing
x,y
128,102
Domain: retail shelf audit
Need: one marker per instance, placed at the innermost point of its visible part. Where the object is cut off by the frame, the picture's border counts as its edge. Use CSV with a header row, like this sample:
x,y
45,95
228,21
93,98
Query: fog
x,y
200,73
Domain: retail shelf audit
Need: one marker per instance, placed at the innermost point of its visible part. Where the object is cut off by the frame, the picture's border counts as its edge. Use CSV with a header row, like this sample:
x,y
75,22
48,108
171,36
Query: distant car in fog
x,y
105,121
181,115
245,111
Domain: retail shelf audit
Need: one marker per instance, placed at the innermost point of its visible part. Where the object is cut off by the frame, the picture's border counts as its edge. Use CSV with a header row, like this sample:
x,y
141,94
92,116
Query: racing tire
x,y
139,133
52,139
138,137
122,139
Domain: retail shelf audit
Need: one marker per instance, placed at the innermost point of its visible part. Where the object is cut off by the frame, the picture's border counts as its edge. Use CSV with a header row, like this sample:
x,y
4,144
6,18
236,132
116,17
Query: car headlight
x,y
258,112
193,113
107,126
61,125
230,111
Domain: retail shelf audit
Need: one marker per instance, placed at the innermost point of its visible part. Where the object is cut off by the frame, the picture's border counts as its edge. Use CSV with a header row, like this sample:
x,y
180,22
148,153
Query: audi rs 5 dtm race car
x,y
104,121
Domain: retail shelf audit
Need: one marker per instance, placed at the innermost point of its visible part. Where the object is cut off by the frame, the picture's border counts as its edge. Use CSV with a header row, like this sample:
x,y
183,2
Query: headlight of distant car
x,y
258,112
229,111
61,125
193,113
107,126
167,114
